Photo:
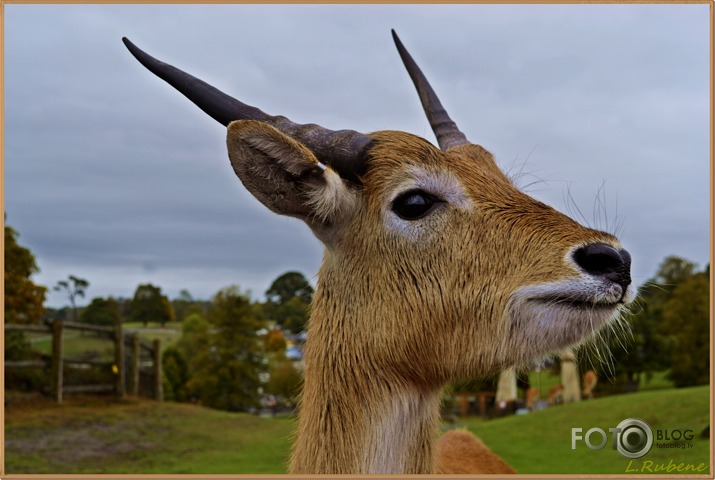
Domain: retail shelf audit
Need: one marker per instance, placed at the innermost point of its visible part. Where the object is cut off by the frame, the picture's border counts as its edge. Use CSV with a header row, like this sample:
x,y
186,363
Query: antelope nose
x,y
602,260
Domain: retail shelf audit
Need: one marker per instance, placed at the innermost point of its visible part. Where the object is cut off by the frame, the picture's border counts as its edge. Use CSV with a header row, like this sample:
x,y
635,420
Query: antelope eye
x,y
413,205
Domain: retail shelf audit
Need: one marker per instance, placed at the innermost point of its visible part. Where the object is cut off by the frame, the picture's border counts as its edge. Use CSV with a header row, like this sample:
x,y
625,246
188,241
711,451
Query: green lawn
x,y
543,380
168,334
540,442
659,381
131,437
76,345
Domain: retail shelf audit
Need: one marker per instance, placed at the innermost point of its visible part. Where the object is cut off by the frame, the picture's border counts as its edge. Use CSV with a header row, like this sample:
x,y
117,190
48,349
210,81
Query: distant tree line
x,y
287,304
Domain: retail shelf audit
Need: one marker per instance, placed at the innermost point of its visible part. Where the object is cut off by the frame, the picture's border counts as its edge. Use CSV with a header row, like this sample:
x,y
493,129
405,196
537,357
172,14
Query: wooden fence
x,y
136,363
480,401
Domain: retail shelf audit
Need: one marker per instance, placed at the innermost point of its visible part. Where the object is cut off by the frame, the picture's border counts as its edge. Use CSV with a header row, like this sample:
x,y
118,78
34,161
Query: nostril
x,y
598,259
603,260
625,279
626,257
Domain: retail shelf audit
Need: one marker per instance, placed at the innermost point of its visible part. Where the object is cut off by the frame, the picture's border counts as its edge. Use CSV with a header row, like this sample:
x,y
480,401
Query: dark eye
x,y
413,205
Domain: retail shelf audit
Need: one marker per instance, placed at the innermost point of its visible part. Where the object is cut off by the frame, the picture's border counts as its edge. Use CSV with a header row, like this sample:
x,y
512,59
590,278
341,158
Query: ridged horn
x,y
446,131
345,151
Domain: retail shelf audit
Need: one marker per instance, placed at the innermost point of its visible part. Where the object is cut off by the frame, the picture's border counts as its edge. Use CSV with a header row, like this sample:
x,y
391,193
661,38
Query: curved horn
x,y
446,131
343,150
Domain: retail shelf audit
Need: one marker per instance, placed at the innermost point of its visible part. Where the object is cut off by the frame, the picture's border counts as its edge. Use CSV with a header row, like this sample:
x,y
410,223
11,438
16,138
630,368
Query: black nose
x,y
602,260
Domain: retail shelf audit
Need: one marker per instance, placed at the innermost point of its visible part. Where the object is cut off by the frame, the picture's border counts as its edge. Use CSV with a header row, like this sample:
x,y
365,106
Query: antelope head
x,y
436,266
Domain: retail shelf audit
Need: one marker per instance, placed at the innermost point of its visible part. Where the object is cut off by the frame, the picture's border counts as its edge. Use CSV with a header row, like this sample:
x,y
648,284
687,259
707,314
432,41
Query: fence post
x,y
136,353
57,360
158,378
119,360
482,404
463,405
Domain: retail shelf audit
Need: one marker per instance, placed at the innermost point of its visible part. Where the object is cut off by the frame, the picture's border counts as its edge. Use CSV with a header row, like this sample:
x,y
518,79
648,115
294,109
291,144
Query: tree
x,y
634,355
275,341
686,318
672,271
149,305
23,304
185,305
285,381
227,374
176,375
288,301
664,331
289,285
102,311
23,299
74,287
194,341
294,314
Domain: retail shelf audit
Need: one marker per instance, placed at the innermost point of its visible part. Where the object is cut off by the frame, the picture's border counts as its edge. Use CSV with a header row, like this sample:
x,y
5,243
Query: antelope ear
x,y
285,176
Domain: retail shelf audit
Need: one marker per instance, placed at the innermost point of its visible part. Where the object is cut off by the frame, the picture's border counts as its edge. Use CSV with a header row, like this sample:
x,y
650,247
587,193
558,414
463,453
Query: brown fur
x,y
374,368
556,394
460,452
532,396
590,379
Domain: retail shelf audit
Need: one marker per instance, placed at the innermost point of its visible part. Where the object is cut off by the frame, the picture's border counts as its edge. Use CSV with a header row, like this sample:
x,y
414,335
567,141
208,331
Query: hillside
x,y
106,436
541,442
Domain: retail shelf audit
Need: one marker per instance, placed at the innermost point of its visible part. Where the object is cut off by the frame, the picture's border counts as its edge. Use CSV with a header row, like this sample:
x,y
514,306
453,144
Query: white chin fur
x,y
549,317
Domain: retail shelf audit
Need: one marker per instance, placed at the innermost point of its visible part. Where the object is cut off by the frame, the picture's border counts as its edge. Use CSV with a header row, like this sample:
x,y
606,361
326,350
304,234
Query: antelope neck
x,y
354,418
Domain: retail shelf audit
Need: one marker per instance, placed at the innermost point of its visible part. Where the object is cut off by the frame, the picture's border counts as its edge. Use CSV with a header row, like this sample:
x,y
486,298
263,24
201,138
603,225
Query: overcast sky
x,y
113,176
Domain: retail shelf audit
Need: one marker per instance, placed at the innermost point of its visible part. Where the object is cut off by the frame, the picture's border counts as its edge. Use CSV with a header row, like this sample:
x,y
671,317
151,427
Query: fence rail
x,y
27,364
87,327
83,363
28,328
124,361
107,388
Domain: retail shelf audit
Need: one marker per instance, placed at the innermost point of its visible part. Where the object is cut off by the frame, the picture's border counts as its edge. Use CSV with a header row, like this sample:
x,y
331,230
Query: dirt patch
x,y
64,438
74,443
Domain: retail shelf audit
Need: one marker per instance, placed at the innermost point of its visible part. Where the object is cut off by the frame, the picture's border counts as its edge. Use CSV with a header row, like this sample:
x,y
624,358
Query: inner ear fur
x,y
284,174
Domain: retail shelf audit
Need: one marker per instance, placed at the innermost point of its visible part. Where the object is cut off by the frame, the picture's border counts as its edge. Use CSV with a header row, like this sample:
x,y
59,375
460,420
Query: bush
x,y
17,347
176,374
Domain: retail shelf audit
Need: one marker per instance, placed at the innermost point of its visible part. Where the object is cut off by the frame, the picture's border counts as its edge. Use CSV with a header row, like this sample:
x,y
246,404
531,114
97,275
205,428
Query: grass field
x,y
541,441
106,436
168,334
89,436
76,345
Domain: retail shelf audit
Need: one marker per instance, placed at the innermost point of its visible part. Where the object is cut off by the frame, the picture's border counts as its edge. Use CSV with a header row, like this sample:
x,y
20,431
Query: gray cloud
x,y
112,175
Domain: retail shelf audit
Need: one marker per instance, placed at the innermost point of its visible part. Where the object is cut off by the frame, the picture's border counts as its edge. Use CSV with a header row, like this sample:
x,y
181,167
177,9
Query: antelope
x,y
590,379
532,396
435,267
556,394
